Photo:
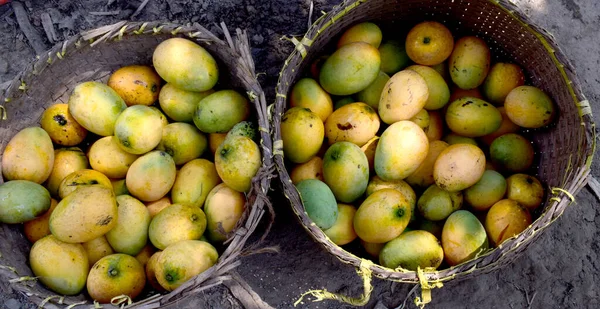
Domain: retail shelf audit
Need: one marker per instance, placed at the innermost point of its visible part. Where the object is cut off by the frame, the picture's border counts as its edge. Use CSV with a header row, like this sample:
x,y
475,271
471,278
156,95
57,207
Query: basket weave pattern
x,y
94,55
564,150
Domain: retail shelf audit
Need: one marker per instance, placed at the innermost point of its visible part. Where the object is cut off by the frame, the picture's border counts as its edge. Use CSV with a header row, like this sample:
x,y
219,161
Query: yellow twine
x,y
585,108
59,55
23,86
142,28
97,305
14,270
156,30
78,43
121,300
47,299
299,47
76,304
194,34
2,113
281,95
7,100
252,95
174,32
364,271
555,190
263,129
121,33
21,279
425,288
278,148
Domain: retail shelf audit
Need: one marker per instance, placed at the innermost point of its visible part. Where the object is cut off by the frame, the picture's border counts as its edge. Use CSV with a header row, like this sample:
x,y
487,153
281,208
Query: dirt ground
x,y
561,270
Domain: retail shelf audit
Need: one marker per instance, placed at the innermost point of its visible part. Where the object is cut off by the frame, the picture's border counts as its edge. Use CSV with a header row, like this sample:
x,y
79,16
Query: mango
x,y
96,249
237,161
458,93
502,78
343,101
62,267
138,129
82,178
369,149
512,152
471,117
439,93
403,96
38,228
429,43
463,237
176,223
319,202
119,187
156,206
308,93
96,107
382,216
66,161
458,167
526,190
436,126
220,111
136,84
372,93
245,128
108,158
182,261
115,275
183,142
421,119
224,208
436,204
393,56
185,64
302,133
180,104
469,62
363,32
505,219
376,184
215,140
130,234
402,147
346,171
507,126
423,175
194,182
487,191
529,107
151,176
22,200
454,138
151,267
87,213
313,169
342,231
61,126
433,227
373,249
412,250
350,69
29,155
356,123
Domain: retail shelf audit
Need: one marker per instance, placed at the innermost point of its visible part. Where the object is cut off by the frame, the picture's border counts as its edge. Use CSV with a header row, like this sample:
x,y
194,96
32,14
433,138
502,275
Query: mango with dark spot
x,y
220,111
458,167
469,62
185,64
139,129
308,93
356,123
82,178
463,237
436,204
526,190
96,107
403,96
29,155
302,133
472,117
224,207
87,213
412,250
136,84
346,171
247,129
382,216
66,161
183,261
194,181
61,126
350,69
237,161
505,219
60,266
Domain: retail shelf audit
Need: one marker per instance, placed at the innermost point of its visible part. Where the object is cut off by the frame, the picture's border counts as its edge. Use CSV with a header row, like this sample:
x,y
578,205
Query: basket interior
x,y
560,148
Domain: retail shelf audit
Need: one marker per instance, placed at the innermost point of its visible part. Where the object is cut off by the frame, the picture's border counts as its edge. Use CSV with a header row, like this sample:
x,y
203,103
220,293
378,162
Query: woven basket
x,y
564,151
94,55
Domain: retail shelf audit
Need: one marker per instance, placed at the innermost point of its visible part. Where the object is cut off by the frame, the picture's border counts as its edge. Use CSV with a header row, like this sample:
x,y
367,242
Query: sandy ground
x,y
561,270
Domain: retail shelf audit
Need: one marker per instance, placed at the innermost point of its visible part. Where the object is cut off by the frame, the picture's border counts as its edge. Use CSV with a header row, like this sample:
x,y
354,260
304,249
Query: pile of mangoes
x,y
153,195
415,146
